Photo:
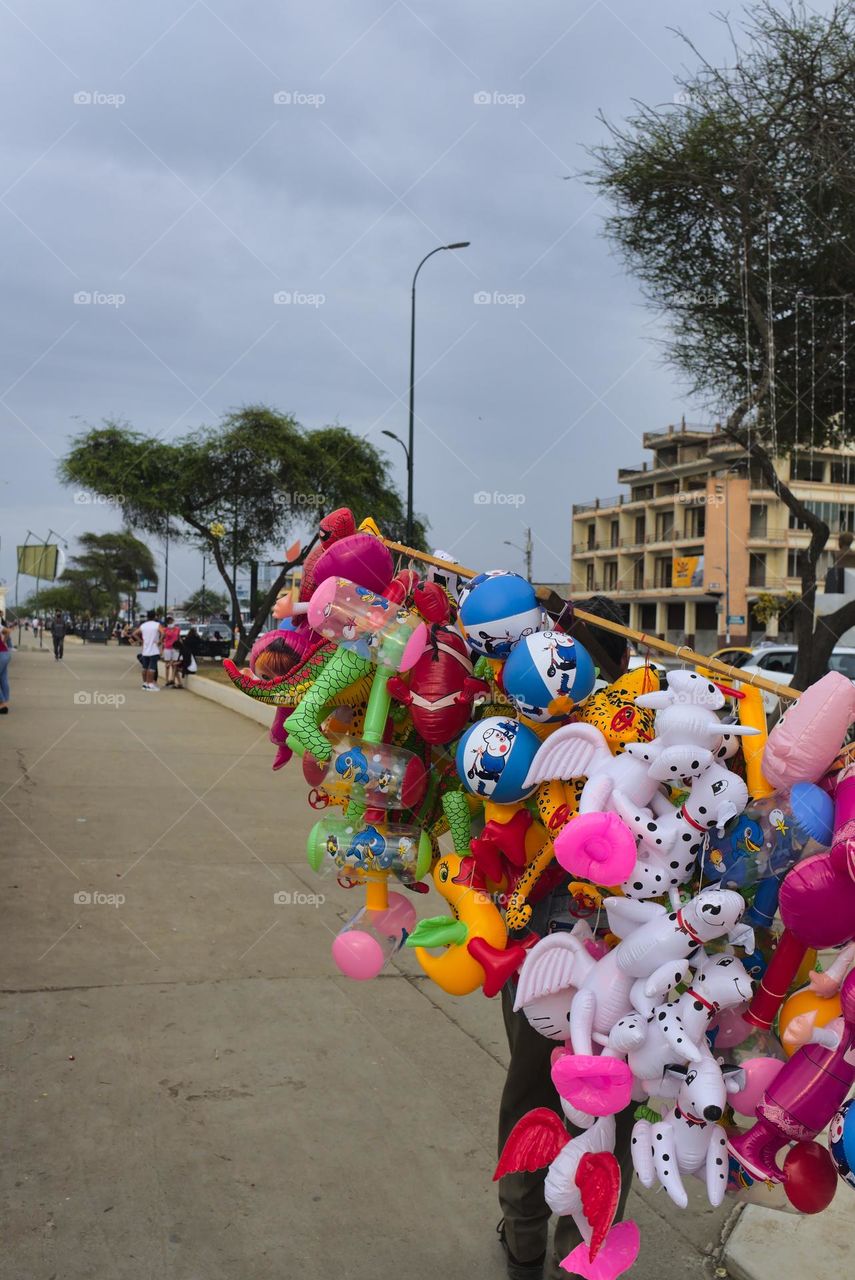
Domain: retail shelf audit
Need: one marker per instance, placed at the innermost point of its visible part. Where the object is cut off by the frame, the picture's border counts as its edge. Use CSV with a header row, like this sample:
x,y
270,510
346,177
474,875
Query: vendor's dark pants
x,y
58,646
529,1085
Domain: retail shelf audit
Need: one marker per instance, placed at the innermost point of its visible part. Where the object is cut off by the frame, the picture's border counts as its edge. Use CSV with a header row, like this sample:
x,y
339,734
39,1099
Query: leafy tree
x,y
735,207
205,602
238,489
65,596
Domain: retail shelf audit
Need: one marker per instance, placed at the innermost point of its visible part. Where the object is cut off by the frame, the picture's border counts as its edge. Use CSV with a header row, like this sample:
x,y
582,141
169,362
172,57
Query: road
x,y
195,1093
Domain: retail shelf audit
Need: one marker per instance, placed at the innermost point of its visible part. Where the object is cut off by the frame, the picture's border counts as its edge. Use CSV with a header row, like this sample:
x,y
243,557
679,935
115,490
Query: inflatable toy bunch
x,y
462,738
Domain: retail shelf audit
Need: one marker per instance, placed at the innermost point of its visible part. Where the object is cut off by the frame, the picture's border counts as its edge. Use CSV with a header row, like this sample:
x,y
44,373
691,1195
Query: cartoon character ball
x,y
493,758
498,610
841,1141
545,673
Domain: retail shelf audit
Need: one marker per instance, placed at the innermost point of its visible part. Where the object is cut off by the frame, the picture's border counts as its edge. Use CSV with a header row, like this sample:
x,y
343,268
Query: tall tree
x,y
239,489
205,602
735,207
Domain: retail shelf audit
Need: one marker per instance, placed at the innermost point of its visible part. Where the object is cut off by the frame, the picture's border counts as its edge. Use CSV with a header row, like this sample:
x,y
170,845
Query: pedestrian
x,y
524,1227
170,637
149,633
5,659
57,630
189,647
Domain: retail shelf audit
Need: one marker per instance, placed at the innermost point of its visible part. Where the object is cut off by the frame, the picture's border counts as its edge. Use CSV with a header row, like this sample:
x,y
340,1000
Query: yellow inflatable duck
x,y
475,927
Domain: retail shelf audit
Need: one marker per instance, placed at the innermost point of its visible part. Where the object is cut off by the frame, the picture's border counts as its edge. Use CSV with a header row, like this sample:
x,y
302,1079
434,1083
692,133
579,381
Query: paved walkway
x,y
197,1094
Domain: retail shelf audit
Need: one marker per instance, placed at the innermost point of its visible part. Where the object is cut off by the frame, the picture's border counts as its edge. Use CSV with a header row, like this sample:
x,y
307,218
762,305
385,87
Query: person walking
x,y
58,630
170,654
5,659
149,634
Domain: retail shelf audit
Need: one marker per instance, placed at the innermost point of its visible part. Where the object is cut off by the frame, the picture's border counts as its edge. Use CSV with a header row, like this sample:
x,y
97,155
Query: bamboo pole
x,y
650,642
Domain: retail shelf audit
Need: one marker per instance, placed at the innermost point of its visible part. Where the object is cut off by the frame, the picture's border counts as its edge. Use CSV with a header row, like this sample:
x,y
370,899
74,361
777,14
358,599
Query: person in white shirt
x,y
149,634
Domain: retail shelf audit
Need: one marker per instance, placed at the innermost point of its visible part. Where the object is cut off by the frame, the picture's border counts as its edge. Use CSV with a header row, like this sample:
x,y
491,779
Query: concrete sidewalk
x,y
196,1093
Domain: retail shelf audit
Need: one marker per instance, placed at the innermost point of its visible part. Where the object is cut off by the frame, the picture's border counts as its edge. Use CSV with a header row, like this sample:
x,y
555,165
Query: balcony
x,y
599,504
637,469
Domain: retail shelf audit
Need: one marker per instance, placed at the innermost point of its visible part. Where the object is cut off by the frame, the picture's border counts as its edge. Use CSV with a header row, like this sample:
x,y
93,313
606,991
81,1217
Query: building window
x,y
611,578
843,471
676,616
640,525
638,575
706,616
756,571
662,571
839,516
667,457
664,526
804,467
695,522
796,561
591,536
589,577
648,617
642,493
614,532
665,487
757,527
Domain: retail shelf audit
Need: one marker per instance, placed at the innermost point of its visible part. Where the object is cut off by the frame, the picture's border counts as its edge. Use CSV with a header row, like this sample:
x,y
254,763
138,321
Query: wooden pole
x,y
650,642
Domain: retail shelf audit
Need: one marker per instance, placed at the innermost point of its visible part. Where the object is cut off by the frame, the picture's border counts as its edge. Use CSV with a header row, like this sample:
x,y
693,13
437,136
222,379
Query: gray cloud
x,y
199,197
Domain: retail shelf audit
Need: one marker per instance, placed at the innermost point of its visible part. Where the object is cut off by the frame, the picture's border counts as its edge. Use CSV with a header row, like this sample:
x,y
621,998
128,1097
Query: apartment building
x,y
700,535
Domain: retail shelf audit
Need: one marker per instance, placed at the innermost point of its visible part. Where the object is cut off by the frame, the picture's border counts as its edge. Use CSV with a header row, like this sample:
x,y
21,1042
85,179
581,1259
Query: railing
x,y
636,469
599,504
696,428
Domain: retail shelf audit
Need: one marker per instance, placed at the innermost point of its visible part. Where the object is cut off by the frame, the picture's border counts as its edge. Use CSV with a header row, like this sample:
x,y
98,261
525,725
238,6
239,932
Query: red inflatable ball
x,y
810,1177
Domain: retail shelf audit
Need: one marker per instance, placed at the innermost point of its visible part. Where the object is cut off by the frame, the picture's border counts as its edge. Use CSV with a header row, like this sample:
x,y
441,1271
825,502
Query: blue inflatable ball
x,y
286,624
496,611
470,584
841,1141
545,666
493,758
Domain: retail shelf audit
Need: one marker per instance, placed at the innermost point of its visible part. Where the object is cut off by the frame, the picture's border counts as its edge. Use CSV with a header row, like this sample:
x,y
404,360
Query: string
x,y
812,374
747,332
770,320
798,392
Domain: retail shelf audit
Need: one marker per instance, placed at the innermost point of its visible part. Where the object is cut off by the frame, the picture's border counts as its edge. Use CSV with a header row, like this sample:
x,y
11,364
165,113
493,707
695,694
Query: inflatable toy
x,y
676,1032
429,704
545,674
583,1180
841,1141
494,757
440,687
497,611
817,905
689,1139
804,742
803,1097
476,929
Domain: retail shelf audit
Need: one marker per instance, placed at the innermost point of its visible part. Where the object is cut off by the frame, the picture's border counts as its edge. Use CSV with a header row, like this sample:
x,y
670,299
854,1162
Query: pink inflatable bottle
x,y
802,1098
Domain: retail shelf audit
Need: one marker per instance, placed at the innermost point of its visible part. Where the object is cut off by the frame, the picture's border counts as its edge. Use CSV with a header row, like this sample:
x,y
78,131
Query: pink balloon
x,y
759,1074
732,1028
358,955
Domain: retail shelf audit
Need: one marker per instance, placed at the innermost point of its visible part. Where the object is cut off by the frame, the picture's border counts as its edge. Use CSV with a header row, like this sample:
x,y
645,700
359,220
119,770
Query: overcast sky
x,y
147,165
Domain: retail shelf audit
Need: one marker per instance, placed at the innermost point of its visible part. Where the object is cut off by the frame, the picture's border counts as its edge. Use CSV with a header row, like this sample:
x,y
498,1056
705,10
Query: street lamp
x,y
458,244
526,550
392,436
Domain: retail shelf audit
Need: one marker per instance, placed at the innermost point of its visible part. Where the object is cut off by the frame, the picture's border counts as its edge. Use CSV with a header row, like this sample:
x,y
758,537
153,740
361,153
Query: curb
x,y
231,699
767,1242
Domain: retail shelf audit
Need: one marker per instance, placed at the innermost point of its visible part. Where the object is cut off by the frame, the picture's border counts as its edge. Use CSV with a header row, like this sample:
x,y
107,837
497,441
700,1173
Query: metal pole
x,y
203,586
460,244
166,573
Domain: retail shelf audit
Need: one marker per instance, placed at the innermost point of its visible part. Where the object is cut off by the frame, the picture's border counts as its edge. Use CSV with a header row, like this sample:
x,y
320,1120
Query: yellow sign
x,y
38,560
683,570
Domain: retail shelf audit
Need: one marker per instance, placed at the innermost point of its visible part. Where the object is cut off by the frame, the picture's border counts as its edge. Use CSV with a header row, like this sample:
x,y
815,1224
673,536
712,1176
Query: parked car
x,y
778,663
734,657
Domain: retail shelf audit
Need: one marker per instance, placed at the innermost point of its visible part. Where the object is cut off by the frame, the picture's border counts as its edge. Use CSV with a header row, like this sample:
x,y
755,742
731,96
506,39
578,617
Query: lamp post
x,y
391,434
458,244
526,550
